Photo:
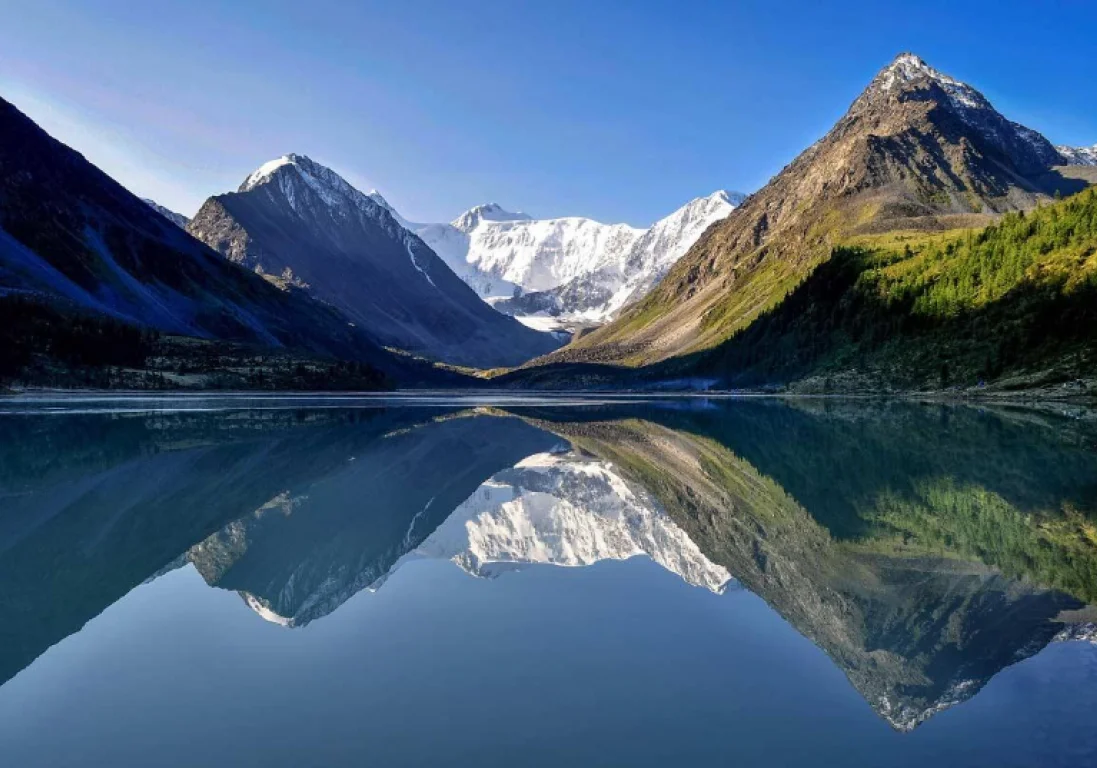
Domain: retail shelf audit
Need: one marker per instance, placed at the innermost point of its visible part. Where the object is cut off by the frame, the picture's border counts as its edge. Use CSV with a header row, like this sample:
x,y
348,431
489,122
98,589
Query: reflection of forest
x,y
923,548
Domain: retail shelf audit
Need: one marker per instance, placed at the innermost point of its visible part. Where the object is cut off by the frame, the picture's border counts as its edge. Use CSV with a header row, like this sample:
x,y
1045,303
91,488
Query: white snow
x,y
264,610
908,67
497,251
1079,155
662,245
335,193
565,510
265,171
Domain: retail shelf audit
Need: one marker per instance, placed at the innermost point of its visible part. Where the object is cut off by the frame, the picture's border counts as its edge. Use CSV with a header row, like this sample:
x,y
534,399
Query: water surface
x,y
433,580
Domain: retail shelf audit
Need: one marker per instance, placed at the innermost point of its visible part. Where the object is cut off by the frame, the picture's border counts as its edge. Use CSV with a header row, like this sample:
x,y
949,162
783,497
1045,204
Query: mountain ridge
x,y
916,150
303,224
573,268
76,244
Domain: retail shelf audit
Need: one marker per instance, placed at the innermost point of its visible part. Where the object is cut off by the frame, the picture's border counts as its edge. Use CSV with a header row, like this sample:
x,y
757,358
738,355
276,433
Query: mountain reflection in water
x,y
922,548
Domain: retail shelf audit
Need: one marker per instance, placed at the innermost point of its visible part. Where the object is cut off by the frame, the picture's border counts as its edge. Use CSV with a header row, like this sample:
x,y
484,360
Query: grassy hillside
x,y
1014,301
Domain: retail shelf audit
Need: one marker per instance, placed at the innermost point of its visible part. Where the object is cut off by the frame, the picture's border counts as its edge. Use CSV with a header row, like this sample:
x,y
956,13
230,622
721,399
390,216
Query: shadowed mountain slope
x,y
303,225
73,239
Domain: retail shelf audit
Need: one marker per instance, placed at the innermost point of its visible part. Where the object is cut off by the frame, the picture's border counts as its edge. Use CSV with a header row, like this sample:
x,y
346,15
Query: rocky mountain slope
x,y
574,269
916,150
77,244
177,219
301,224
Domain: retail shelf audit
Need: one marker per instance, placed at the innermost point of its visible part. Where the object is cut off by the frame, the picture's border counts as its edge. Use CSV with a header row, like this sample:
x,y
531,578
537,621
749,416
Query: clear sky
x,y
620,110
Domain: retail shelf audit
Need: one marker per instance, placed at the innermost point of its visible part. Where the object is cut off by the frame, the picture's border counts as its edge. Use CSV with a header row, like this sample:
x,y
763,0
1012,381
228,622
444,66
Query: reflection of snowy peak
x,y
568,511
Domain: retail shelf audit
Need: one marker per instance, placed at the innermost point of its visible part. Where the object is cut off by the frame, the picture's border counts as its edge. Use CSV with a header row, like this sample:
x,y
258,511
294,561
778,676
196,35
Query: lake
x,y
501,580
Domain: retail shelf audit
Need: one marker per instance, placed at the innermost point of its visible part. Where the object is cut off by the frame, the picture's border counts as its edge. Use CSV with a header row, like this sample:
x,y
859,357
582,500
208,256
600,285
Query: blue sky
x,y
617,110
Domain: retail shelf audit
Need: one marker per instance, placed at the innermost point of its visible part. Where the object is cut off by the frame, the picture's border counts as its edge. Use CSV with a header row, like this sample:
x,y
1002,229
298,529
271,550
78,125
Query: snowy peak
x,y
910,79
298,176
1079,155
909,72
504,255
909,68
727,197
474,217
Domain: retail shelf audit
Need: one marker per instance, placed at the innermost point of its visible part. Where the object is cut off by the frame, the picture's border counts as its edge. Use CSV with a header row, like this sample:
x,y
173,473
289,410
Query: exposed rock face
x,y
917,149
73,237
301,224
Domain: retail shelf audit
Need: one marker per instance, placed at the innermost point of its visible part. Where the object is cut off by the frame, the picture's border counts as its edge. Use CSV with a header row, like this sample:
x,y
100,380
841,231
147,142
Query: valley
x,y
925,244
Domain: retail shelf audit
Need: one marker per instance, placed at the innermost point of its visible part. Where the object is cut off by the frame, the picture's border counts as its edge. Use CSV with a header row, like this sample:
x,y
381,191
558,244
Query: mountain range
x,y
894,254
918,546
557,273
917,152
82,259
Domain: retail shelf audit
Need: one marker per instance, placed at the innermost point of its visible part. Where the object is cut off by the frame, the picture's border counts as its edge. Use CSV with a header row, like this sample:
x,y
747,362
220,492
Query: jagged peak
x,y
267,170
908,70
333,189
472,218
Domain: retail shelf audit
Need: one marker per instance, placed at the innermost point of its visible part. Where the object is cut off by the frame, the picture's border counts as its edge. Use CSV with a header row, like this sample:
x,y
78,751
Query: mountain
x,y
600,294
497,251
299,557
79,253
917,150
303,224
177,219
1013,305
1079,155
565,509
574,269
307,549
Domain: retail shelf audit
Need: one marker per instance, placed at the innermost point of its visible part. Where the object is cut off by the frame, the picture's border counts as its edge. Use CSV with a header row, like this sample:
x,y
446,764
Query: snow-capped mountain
x,y
1028,149
978,113
498,251
544,253
302,223
569,268
1079,155
177,219
566,510
73,237
600,294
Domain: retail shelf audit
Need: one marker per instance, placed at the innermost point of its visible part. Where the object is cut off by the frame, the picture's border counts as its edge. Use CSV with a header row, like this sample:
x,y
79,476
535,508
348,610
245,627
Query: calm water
x,y
508,581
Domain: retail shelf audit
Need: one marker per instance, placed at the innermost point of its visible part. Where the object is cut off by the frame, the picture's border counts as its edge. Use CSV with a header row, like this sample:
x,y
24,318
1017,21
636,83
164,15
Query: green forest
x,y
937,310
